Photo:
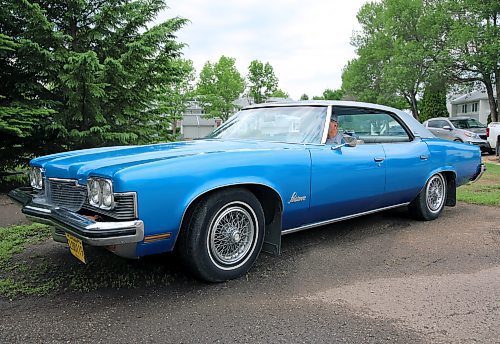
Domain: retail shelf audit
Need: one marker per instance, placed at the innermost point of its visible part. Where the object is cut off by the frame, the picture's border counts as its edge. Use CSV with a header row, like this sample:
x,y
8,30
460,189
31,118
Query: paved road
x,y
379,279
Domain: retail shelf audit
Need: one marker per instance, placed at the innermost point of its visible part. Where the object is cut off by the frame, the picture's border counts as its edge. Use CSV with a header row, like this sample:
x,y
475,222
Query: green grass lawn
x,y
17,278
486,191
13,239
27,269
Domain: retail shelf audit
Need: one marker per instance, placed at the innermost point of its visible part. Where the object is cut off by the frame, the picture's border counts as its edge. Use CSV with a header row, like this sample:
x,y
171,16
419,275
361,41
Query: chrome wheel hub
x,y
236,236
232,235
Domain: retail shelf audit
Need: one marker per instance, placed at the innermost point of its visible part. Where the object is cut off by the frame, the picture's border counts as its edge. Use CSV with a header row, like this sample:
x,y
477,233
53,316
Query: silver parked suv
x,y
462,129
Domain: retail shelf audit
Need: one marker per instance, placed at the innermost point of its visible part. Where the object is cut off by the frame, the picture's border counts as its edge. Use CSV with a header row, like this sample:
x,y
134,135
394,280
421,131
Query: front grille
x,y
124,207
484,137
65,193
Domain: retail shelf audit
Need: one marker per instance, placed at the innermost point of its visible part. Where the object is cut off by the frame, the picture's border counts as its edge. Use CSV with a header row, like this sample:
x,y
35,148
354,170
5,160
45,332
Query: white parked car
x,y
493,135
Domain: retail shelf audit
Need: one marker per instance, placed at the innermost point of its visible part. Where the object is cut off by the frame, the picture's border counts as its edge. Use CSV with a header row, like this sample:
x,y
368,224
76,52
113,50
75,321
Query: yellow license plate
x,y
76,247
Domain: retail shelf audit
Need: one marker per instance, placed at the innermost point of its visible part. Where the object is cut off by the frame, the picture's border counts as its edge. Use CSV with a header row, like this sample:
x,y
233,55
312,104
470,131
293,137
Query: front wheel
x,y
430,201
224,235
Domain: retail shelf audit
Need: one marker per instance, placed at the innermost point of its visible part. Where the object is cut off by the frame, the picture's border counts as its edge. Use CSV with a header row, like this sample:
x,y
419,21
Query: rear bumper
x,y
94,233
481,169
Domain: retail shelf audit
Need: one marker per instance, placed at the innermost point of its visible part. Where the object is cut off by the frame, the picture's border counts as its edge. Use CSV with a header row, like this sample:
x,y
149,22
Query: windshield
x,y
293,124
467,123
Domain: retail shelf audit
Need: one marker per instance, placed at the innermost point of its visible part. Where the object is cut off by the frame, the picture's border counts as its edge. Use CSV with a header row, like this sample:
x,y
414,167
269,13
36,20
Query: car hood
x,y
109,160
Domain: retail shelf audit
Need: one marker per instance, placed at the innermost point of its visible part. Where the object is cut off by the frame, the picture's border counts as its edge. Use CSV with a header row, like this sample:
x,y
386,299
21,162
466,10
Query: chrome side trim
x,y
327,222
325,130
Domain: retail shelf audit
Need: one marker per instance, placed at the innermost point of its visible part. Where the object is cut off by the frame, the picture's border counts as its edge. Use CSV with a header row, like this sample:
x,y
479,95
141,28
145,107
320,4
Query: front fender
x,y
166,189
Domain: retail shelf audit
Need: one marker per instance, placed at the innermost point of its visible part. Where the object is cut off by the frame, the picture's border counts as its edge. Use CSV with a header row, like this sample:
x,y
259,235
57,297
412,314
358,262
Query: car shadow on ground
x,y
51,265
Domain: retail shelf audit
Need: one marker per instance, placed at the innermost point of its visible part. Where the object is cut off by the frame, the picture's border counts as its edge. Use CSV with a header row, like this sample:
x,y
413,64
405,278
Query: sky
x,y
307,42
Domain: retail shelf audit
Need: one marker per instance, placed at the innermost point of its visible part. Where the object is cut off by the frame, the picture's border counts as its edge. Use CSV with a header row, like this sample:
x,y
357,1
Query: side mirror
x,y
350,141
447,127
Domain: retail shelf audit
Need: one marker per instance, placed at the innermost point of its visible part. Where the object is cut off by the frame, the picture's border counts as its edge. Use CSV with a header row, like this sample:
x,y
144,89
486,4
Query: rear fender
x,y
451,183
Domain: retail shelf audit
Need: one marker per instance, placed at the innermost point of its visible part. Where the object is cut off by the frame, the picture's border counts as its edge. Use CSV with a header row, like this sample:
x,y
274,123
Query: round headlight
x,y
94,193
39,179
107,194
32,177
36,179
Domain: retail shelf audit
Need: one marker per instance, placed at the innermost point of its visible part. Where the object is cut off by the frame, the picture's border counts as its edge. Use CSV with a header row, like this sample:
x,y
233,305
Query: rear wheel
x,y
430,201
224,235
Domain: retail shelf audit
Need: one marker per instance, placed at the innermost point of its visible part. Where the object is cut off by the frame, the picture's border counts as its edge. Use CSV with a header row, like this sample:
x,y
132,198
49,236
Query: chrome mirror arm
x,y
338,146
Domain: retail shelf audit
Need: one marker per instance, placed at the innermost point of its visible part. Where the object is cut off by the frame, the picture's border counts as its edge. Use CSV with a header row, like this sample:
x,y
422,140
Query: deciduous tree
x,y
219,85
472,47
397,48
175,101
262,81
330,94
279,93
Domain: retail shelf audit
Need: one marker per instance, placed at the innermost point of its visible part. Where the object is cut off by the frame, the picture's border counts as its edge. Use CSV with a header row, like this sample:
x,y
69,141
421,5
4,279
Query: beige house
x,y
474,104
194,125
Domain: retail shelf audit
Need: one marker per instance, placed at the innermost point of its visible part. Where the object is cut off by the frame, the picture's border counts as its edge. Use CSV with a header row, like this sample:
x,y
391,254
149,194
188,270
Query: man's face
x,y
333,129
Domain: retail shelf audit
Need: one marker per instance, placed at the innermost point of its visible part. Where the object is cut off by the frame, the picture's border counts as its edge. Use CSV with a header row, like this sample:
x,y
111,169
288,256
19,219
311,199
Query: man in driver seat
x,y
334,136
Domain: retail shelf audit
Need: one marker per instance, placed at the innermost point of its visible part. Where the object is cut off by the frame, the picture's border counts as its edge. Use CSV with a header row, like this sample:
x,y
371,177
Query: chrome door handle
x,y
424,157
378,159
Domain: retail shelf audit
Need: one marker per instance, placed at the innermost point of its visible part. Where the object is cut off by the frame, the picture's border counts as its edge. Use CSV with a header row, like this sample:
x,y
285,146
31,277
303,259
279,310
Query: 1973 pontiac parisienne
x,y
266,172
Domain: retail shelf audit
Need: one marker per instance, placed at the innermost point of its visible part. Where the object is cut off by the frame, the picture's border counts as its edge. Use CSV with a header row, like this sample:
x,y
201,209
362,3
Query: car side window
x,y
438,124
433,124
370,125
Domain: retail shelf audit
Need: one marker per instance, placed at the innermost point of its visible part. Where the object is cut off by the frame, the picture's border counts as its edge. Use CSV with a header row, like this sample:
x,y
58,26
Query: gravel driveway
x,y
380,278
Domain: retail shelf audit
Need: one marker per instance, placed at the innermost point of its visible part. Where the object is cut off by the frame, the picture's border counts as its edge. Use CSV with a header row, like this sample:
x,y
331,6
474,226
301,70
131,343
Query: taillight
x,y
487,132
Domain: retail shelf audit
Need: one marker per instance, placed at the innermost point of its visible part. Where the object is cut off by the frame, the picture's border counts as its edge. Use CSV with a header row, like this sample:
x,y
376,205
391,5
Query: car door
x,y
407,163
347,180
436,127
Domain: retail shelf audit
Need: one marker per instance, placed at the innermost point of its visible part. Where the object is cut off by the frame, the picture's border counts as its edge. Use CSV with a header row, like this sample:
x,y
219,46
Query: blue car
x,y
268,171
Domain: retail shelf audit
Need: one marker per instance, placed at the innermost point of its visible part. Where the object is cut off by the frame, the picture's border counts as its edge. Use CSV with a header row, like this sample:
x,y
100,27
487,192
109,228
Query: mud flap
x,y
451,190
272,239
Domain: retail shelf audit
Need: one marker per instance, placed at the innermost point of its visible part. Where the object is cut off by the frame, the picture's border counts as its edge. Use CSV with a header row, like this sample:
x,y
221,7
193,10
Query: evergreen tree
x,y
92,72
433,103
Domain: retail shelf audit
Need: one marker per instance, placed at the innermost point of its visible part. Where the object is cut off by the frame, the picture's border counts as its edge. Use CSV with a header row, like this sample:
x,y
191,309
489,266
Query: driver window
x,y
370,126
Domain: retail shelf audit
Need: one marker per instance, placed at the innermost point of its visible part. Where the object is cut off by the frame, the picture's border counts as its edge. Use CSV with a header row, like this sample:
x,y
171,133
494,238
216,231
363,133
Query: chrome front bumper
x,y
481,169
94,233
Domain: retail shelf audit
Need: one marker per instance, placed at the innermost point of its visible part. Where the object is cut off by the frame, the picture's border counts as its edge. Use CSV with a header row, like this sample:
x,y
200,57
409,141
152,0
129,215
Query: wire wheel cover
x,y
232,234
435,193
